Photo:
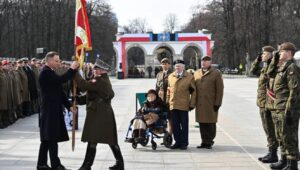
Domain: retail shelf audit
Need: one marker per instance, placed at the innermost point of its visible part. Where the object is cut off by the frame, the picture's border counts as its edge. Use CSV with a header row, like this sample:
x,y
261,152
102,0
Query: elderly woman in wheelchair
x,y
149,119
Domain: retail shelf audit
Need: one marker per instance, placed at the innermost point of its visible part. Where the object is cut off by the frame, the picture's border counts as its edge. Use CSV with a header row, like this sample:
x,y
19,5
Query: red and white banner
x,y
83,40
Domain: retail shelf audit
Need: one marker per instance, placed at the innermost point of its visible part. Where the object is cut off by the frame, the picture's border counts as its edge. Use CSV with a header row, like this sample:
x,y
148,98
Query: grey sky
x,y
154,11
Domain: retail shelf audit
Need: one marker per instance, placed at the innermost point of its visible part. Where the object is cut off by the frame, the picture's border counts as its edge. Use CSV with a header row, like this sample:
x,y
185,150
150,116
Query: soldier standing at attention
x,y
286,89
162,86
209,85
265,113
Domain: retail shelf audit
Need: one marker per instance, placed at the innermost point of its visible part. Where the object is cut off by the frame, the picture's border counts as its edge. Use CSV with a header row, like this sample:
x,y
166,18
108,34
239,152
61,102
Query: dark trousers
x,y
52,147
180,124
208,132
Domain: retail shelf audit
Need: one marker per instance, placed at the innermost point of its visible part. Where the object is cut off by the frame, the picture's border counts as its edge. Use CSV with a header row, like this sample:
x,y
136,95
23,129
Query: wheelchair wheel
x,y
134,145
168,140
145,142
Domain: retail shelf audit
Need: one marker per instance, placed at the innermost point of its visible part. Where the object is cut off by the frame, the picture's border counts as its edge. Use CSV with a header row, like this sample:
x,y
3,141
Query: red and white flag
x,y
83,40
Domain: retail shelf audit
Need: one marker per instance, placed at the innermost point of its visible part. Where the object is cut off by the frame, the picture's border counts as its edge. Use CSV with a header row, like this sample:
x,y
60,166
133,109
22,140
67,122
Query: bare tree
x,y
170,22
137,25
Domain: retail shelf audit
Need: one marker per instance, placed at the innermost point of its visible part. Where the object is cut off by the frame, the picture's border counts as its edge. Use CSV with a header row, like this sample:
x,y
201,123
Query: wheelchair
x,y
158,130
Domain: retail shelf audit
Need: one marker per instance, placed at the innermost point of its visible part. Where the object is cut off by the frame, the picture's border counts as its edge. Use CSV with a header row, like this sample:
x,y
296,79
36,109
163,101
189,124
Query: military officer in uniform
x,y
265,113
209,85
181,96
287,95
100,124
162,86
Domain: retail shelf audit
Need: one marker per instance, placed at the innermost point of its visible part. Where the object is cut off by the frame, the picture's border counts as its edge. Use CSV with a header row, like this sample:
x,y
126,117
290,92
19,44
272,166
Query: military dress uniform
x,y
100,124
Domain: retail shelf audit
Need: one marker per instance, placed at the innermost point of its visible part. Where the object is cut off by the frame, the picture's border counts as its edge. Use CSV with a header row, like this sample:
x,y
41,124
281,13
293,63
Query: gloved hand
x,y
258,57
216,108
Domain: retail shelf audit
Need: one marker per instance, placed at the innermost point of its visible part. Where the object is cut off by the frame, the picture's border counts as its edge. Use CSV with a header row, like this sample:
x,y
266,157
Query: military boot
x,y
89,158
119,165
271,156
280,164
291,165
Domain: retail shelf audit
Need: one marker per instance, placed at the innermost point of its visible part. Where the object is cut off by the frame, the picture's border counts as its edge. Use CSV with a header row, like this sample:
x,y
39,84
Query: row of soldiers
x,y
19,88
278,97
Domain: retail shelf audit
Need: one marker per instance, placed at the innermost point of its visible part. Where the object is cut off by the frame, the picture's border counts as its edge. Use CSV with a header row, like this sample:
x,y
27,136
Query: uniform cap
x,y
268,49
33,59
165,60
19,61
102,65
178,62
25,59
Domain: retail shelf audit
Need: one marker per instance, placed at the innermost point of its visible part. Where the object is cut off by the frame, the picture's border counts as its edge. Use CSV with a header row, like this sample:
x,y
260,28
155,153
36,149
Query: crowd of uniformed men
x,y
19,89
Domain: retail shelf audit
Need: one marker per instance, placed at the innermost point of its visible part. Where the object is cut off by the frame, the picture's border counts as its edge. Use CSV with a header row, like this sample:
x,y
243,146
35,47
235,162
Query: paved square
x,y
240,138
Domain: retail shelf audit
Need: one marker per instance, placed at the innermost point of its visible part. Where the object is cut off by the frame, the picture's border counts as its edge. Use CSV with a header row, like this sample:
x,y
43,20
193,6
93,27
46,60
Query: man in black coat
x,y
52,125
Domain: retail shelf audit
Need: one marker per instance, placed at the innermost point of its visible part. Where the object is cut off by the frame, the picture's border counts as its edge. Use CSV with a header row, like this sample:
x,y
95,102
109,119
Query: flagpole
x,y
82,41
74,85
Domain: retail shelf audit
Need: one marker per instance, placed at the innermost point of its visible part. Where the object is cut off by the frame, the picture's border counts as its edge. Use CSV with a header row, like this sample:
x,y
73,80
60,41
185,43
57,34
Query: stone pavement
x,y
240,137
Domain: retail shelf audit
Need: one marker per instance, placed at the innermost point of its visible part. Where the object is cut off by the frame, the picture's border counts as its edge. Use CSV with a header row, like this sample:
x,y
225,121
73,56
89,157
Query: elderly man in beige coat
x,y
209,85
181,95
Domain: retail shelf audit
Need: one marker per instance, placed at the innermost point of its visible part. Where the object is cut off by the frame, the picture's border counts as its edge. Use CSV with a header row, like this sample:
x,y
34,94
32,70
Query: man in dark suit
x,y
52,125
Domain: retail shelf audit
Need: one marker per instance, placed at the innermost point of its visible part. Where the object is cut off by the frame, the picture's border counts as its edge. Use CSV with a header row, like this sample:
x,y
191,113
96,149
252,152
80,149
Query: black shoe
x,y
43,167
270,157
205,146
280,164
209,146
60,167
202,146
183,147
118,166
175,146
291,165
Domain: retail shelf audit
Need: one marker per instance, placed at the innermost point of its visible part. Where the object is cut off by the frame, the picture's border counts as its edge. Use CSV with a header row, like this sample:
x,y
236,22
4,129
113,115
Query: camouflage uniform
x,y
265,112
262,102
287,109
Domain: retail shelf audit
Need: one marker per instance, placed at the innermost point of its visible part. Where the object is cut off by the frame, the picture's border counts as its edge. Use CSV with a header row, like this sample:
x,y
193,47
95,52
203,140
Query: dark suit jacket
x,y
52,125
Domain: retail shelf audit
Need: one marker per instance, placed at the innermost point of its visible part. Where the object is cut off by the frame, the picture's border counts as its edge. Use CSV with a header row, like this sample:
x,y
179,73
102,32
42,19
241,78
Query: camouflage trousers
x,y
286,127
269,128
